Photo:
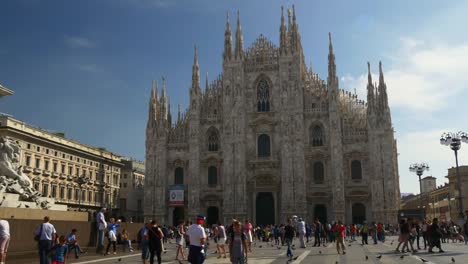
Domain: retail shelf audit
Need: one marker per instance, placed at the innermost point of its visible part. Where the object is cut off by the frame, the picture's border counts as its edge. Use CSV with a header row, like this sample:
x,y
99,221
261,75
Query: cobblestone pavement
x,y
265,253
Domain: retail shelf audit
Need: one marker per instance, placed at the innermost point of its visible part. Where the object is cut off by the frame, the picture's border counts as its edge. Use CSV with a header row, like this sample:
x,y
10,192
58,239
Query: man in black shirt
x,y
154,237
289,234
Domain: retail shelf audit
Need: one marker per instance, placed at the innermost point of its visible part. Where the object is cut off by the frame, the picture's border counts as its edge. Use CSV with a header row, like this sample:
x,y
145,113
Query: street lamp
x,y
454,140
81,180
419,169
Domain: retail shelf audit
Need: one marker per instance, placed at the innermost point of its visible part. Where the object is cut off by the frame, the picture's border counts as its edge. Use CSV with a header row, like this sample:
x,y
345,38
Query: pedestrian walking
x,y
289,234
155,236
238,245
248,233
221,240
4,239
340,233
180,234
364,233
435,234
301,229
197,236
318,232
142,239
45,234
101,226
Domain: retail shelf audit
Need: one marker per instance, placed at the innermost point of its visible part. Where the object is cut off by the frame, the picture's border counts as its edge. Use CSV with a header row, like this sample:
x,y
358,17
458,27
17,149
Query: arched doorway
x,y
359,213
177,215
320,212
212,215
265,208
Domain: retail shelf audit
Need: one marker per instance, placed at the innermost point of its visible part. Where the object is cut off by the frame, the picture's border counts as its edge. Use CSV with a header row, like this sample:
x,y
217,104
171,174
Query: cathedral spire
x,y
195,72
179,112
383,90
370,93
163,100
239,51
152,108
332,78
169,115
206,82
283,34
227,55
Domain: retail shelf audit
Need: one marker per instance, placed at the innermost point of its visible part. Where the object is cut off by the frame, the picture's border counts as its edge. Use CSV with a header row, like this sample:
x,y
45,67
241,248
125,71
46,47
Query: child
x,y
126,241
72,242
59,251
112,235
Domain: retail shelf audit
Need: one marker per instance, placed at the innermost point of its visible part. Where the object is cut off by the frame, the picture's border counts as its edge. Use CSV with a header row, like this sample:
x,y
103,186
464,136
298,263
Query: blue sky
x,y
85,67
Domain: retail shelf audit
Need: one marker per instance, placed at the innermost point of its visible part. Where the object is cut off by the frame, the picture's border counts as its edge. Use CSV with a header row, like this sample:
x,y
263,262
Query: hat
x,y
200,218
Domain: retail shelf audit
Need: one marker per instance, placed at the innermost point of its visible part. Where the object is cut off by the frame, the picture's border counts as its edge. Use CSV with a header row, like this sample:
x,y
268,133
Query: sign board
x,y
176,195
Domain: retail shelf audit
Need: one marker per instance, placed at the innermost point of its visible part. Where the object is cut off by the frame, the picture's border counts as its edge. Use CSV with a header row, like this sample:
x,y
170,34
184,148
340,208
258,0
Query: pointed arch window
x,y
356,170
179,175
316,136
319,173
263,96
263,145
213,141
212,175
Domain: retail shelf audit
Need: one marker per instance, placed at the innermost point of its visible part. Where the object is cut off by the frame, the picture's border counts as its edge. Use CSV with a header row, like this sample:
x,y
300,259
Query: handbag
x,y
38,237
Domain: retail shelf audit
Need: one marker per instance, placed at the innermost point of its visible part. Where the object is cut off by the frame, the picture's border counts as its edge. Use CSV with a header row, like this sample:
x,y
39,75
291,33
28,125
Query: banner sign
x,y
176,195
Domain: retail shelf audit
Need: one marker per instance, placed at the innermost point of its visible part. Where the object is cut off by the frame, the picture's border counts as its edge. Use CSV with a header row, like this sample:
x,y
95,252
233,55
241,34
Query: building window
x,y
47,151
38,149
316,136
212,175
263,96
69,194
356,170
63,168
63,155
70,170
83,195
62,192
46,165
319,173
36,186
263,145
213,140
77,171
179,176
56,153
38,163
28,146
90,196
45,189
55,166
77,193
28,161
54,191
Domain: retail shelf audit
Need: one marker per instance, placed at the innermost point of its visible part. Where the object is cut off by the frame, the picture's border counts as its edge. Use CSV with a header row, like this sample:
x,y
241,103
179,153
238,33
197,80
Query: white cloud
x,y
421,77
423,146
79,42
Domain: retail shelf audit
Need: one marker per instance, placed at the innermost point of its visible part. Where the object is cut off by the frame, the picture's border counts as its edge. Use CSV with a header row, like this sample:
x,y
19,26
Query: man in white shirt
x,y
197,237
4,239
101,226
47,234
301,229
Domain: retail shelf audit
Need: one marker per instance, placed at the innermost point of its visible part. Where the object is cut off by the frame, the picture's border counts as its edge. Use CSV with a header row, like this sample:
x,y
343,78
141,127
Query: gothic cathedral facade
x,y
269,139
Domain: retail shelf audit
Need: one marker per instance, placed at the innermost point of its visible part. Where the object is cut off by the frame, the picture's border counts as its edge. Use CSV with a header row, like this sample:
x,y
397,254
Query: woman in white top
x,y
4,239
180,233
221,236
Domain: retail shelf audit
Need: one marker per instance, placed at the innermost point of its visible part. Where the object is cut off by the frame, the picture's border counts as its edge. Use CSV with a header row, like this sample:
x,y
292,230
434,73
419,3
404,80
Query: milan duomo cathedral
x,y
269,139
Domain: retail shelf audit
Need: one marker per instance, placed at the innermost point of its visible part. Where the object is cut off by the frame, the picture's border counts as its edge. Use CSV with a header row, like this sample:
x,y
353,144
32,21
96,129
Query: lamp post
x,y
419,169
81,180
454,140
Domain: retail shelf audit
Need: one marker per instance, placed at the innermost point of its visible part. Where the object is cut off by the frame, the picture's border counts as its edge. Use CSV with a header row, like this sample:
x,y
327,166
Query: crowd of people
x,y
236,239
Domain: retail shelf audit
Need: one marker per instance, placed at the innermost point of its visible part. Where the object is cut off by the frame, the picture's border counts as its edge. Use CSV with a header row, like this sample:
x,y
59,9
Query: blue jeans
x,y
289,252
76,247
238,260
195,256
100,241
44,248
144,249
